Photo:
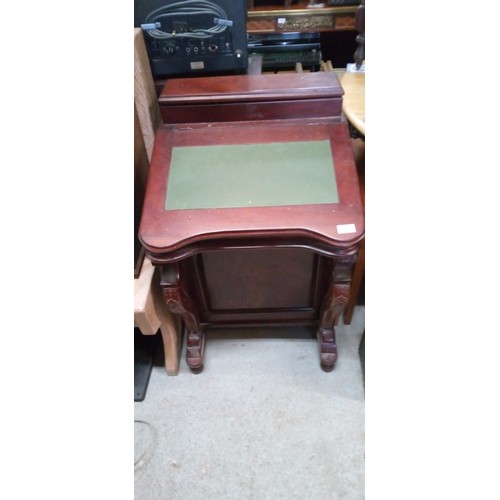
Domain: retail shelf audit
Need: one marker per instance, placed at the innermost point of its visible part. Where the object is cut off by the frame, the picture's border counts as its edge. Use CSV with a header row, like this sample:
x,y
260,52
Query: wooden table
x,y
354,99
258,220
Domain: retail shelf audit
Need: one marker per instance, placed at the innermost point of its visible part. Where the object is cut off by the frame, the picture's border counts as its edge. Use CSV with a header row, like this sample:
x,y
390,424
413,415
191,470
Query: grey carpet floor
x,y
262,421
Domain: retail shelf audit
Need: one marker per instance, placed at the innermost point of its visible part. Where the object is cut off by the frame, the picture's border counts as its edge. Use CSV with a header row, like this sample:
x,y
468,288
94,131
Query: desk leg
x,y
334,302
178,302
170,329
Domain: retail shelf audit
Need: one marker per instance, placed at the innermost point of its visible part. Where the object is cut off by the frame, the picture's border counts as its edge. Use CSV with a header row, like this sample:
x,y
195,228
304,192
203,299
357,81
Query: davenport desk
x,y
252,208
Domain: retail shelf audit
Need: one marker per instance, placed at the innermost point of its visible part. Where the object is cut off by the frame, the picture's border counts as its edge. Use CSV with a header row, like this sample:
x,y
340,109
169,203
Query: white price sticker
x,y
346,228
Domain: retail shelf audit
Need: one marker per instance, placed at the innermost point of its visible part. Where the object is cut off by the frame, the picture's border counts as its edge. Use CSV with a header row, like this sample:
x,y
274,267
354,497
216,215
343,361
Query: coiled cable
x,y
188,8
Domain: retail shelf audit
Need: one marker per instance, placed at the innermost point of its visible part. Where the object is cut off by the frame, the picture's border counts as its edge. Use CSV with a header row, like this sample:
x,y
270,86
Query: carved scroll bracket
x,y
333,304
179,302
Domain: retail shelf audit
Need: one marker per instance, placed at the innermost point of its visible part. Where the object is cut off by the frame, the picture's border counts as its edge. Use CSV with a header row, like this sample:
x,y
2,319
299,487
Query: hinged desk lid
x,y
252,97
246,88
200,187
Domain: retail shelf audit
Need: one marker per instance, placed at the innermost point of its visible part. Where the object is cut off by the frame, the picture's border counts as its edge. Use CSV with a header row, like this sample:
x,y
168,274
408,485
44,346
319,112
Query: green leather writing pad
x,y
251,175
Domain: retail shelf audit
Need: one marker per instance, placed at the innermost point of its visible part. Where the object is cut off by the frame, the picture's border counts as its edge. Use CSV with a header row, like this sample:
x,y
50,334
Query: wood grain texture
x,y
313,95
145,314
230,266
144,93
141,169
250,88
354,99
163,231
141,162
297,17
151,315
150,311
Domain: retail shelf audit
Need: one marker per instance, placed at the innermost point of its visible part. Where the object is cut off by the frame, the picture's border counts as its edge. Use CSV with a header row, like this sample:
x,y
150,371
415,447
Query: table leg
x,y
178,302
334,302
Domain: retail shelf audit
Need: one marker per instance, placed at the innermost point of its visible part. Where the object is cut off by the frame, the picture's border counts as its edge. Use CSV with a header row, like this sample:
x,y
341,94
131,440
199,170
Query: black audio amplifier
x,y
191,37
284,50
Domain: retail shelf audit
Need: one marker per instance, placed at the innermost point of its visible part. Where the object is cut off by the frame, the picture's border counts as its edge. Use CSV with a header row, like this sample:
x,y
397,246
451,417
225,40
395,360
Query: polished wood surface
x,y
179,232
257,88
260,265
354,99
251,97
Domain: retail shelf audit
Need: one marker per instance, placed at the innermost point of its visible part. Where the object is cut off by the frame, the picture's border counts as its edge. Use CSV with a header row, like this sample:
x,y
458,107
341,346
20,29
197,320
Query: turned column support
x,y
359,54
179,302
334,302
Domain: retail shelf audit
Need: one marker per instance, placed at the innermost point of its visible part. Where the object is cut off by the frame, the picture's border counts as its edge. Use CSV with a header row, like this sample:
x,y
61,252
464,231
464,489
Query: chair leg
x,y
170,328
357,278
171,343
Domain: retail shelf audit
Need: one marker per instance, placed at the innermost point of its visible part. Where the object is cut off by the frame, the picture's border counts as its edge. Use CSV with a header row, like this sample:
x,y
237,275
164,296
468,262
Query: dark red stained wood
x,y
251,97
237,88
253,111
164,231
260,265
257,286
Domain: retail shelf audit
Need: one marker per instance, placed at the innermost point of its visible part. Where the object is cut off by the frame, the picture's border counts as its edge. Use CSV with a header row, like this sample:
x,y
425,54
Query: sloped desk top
x,y
252,209
316,201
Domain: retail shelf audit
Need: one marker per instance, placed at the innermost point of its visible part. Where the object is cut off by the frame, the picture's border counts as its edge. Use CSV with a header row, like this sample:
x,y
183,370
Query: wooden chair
x,y
359,153
150,312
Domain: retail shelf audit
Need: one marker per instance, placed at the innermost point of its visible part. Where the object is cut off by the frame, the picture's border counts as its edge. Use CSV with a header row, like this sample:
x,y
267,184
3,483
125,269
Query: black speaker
x,y
194,37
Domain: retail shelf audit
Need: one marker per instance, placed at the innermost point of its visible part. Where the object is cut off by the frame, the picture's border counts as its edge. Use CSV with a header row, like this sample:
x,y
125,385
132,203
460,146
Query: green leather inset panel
x,y
251,175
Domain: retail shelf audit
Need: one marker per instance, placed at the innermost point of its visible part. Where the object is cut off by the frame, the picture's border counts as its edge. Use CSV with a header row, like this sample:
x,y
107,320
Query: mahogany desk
x,y
254,212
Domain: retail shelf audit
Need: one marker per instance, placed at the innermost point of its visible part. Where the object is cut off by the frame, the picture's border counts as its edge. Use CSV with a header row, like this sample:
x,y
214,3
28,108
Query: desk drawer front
x,y
277,285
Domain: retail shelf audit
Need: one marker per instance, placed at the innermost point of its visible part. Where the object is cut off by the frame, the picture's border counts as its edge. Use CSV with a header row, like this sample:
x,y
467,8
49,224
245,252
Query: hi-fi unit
x,y
283,50
191,37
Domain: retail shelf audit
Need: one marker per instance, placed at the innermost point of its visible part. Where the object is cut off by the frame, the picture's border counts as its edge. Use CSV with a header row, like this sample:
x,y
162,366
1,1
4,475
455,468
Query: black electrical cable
x,y
152,438
187,8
